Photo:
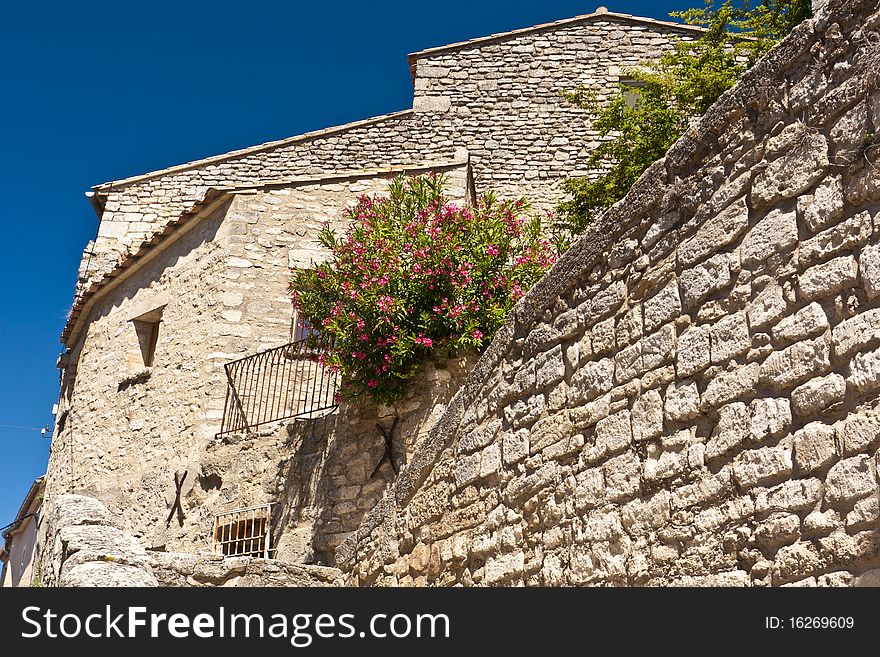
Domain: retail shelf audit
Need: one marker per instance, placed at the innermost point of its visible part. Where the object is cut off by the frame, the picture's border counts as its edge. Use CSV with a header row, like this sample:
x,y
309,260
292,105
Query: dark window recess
x,y
147,329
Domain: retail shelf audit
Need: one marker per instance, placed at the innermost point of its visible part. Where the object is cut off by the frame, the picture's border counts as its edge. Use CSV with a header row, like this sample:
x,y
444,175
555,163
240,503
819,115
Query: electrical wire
x,y
18,522
15,426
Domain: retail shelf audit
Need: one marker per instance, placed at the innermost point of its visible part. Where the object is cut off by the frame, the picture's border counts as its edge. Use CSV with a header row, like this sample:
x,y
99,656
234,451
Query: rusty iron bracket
x,y
388,454
178,485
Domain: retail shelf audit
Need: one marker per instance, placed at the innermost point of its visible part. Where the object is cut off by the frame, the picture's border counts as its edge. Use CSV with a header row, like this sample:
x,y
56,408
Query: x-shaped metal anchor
x,y
178,485
388,454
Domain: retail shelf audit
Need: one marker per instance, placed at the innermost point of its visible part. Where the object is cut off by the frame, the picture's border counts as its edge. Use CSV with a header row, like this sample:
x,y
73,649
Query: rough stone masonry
x,y
88,548
203,249
691,396
221,290
495,98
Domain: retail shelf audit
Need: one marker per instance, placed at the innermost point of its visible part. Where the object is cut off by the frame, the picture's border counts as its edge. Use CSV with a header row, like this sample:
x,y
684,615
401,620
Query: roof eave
x,y
212,198
96,202
502,36
104,189
35,489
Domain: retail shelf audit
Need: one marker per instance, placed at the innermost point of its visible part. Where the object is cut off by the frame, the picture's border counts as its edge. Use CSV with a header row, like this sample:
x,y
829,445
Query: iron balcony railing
x,y
277,384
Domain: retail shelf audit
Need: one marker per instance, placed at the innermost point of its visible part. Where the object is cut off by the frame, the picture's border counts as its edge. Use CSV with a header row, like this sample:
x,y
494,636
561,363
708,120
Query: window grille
x,y
243,532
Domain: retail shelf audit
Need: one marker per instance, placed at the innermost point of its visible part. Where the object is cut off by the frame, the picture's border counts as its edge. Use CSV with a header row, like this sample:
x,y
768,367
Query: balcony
x,y
278,384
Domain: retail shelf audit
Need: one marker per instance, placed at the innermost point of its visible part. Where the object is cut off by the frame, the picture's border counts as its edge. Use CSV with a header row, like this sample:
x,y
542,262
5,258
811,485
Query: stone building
x,y
19,551
189,272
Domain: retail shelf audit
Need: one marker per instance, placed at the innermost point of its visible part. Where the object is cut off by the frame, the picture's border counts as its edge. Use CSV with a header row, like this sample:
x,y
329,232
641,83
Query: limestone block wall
x,y
498,99
134,209
501,97
221,289
691,395
88,548
322,475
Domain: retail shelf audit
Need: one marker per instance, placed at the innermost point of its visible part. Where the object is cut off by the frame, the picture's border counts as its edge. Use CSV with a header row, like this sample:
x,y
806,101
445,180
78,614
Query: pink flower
x,y
492,250
372,383
423,340
478,334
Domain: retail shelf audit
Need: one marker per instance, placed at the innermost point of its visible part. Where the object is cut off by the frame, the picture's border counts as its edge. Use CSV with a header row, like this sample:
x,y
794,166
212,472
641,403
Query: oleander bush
x,y
414,274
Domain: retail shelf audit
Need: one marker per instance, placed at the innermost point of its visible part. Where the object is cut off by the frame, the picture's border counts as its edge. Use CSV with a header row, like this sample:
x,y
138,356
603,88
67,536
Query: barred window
x,y
243,532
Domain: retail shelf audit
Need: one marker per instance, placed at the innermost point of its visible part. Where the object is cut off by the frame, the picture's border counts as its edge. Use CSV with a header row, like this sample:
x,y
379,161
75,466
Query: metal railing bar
x,y
273,409
244,532
239,416
250,368
277,384
265,381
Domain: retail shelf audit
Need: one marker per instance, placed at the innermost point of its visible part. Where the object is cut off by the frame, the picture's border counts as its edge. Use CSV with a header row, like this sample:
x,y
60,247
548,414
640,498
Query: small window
x,y
300,328
629,86
243,532
140,337
147,328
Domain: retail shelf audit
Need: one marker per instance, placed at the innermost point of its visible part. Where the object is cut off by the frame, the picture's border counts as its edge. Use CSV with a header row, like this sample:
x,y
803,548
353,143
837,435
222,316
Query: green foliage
x,y
37,580
414,273
640,123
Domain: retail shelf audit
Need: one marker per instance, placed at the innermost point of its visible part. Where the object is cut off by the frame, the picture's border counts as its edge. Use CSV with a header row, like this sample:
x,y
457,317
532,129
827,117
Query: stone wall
x,y
322,475
89,549
219,282
502,97
221,289
135,209
497,99
692,395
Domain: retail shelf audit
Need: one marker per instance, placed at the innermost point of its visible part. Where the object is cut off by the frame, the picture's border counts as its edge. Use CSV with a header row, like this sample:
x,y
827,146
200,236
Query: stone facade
x,y
495,98
88,548
692,395
222,288
205,247
500,97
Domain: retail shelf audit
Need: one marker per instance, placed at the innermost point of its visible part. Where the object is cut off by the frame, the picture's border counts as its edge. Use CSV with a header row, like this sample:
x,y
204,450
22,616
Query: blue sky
x,y
95,91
